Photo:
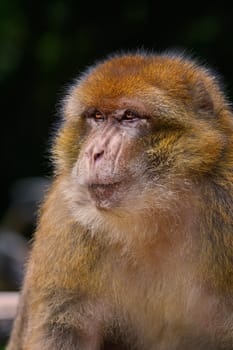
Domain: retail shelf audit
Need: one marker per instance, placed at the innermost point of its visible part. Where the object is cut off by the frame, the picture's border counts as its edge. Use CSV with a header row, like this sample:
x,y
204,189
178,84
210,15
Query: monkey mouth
x,y
103,185
104,194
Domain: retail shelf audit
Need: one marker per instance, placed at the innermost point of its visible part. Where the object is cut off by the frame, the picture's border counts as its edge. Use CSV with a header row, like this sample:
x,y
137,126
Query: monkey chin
x,y
106,195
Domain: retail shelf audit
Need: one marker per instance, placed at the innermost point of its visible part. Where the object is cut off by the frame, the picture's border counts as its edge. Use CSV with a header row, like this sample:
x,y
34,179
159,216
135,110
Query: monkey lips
x,y
106,195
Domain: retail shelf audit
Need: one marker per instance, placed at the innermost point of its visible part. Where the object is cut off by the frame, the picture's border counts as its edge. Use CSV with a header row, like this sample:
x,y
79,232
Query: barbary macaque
x,y
134,245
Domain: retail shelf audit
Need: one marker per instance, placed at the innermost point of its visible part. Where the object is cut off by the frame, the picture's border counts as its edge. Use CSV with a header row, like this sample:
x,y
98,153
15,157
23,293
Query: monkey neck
x,y
157,220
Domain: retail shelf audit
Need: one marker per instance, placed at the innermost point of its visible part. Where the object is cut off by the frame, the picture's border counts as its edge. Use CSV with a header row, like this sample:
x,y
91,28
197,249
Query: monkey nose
x,y
98,155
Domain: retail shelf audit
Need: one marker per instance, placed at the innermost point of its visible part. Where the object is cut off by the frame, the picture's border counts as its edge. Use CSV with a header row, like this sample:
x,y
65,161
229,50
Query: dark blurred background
x,y
43,46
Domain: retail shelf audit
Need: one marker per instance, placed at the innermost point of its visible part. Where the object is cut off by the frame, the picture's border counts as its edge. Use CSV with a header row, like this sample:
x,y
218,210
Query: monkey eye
x,y
130,116
98,116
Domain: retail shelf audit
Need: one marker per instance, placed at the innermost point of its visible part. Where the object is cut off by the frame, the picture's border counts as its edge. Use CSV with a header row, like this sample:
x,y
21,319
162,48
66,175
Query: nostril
x,y
98,155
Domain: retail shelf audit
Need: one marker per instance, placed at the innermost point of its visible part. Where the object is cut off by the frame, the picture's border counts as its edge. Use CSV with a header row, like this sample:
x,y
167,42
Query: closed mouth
x,y
94,186
104,194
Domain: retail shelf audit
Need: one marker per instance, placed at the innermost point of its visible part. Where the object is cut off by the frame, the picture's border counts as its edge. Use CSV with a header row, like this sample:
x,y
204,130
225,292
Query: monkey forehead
x,y
152,80
139,81
130,75
142,103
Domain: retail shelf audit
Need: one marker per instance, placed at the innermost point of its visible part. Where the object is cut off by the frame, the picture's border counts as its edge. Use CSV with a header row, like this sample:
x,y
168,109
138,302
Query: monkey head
x,y
136,126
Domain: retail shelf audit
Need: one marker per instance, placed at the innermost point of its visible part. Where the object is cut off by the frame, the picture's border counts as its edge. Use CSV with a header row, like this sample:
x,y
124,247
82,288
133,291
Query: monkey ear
x,y
203,101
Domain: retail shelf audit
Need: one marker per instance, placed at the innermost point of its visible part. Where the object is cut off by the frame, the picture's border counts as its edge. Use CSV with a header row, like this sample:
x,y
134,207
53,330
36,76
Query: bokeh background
x,y
44,45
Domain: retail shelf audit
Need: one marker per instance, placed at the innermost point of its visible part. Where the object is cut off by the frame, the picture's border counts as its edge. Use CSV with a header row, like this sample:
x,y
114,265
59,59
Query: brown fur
x,y
147,262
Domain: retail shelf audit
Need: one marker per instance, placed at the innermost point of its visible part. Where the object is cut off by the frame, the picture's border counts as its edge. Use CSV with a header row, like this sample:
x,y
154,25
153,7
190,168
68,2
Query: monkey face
x,y
108,163
135,125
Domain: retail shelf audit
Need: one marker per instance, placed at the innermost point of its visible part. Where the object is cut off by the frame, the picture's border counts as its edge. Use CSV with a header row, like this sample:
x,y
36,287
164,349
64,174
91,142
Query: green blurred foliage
x,y
13,32
45,44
